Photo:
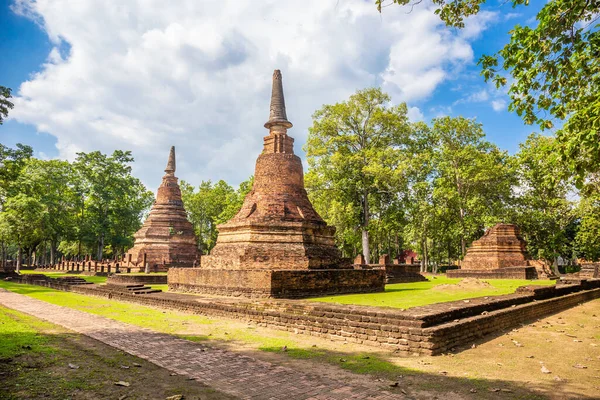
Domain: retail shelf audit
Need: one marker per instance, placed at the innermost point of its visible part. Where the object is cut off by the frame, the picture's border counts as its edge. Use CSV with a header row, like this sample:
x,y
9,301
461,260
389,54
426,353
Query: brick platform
x,y
432,329
276,283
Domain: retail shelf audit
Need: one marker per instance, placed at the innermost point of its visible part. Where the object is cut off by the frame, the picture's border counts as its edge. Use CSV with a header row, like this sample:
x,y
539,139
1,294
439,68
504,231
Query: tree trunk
x,y
425,256
52,245
100,246
365,233
3,259
19,255
29,251
463,245
365,246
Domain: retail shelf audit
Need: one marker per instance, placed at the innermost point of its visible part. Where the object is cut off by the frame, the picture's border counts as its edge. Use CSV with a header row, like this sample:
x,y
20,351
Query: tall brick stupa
x,y
277,245
167,238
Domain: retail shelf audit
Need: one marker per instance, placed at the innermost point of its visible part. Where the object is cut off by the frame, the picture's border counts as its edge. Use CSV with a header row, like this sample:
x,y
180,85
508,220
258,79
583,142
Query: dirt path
x,y
228,372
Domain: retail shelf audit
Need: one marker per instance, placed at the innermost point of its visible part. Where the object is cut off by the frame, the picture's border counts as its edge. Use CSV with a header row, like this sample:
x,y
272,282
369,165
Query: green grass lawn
x,y
93,279
407,295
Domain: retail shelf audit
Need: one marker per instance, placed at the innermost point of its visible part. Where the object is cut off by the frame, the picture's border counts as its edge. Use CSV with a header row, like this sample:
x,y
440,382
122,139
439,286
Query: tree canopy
x,y
552,69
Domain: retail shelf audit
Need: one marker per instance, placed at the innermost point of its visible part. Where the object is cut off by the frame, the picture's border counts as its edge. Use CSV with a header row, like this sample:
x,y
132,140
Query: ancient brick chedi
x,y
500,253
167,237
277,245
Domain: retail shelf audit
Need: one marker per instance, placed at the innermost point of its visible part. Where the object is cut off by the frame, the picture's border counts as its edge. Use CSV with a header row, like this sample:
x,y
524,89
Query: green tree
x,y
472,177
22,221
112,200
210,205
542,209
587,237
51,183
5,103
555,71
12,162
354,151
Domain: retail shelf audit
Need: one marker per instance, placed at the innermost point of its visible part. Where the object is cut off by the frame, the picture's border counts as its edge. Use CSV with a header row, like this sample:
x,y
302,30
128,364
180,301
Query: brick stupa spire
x,y
167,237
277,245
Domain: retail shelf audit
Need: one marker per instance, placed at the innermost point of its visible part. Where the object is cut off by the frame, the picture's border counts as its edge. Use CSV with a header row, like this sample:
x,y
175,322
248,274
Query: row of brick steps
x,y
134,289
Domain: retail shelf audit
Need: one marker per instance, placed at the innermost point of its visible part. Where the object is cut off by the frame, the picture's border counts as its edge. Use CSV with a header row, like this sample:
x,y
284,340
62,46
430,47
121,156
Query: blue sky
x,y
99,75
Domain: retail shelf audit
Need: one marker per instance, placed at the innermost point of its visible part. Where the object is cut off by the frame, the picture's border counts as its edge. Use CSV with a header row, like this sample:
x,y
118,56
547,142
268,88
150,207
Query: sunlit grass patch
x,y
17,335
407,295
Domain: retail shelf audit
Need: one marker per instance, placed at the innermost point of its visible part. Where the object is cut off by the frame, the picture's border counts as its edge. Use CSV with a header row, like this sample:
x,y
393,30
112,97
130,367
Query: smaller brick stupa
x,y
500,253
277,245
167,238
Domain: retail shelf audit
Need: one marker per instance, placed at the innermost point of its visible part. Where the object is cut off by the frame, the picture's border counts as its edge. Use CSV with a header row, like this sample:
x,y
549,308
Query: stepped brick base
x,y
501,273
276,283
403,273
118,279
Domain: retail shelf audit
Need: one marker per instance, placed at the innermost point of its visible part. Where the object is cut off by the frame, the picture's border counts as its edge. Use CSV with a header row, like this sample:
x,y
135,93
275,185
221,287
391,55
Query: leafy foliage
x,y
211,205
75,208
555,72
542,209
354,151
5,103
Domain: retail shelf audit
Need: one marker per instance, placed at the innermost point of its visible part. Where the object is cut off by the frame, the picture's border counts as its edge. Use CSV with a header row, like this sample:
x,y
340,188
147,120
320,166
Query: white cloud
x,y
477,23
415,114
145,75
475,97
499,105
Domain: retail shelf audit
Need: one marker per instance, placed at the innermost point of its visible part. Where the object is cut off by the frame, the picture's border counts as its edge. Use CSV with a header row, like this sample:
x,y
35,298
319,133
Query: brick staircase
x,y
133,289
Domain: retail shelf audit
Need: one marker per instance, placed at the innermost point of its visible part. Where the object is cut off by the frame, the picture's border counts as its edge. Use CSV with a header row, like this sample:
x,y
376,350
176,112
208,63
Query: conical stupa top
x,y
277,114
171,163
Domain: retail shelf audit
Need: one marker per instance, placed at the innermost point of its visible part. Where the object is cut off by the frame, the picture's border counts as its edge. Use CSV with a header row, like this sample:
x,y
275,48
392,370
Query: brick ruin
x,y
500,253
429,330
277,245
167,238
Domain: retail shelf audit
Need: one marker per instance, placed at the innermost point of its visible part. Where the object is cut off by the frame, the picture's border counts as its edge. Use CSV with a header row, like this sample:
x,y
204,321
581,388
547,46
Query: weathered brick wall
x,y
431,329
276,283
504,273
133,279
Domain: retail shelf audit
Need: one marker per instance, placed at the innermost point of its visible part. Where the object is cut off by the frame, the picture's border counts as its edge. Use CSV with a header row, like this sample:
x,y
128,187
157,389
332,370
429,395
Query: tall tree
x,y
472,177
12,162
22,218
51,183
110,195
554,66
542,209
354,151
587,237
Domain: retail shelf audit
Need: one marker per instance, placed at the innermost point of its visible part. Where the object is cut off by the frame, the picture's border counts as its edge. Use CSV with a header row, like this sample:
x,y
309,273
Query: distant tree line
x,y
388,184
385,183
91,206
